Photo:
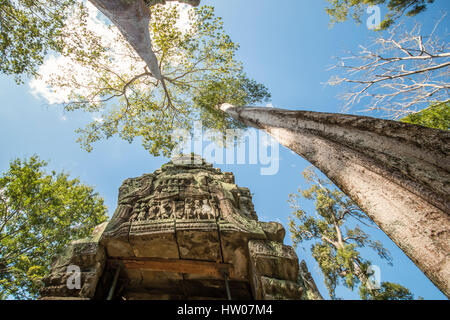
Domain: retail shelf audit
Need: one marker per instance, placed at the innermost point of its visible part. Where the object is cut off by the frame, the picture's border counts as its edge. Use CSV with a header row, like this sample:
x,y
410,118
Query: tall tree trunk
x,y
132,18
397,173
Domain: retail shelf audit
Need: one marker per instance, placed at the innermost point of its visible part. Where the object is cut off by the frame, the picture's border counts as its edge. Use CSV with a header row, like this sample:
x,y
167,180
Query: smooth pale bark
x,y
397,173
132,18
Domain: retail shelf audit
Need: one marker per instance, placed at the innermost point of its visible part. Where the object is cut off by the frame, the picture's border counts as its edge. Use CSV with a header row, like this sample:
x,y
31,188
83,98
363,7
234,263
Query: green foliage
x,y
40,213
436,116
388,291
199,69
336,237
239,91
28,30
339,10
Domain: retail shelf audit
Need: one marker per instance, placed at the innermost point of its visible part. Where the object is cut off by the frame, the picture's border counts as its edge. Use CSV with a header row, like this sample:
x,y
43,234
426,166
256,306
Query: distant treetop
x,y
339,10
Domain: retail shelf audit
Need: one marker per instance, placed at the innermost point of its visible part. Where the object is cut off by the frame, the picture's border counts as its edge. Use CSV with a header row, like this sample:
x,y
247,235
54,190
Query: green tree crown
x,y
337,239
198,64
340,10
40,213
29,29
436,116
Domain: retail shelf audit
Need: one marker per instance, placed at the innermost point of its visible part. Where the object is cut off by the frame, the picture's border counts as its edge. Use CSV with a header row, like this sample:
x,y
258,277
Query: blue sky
x,y
287,45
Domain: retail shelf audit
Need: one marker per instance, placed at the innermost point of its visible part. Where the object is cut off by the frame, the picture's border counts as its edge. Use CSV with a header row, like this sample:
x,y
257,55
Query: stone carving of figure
x,y
153,210
188,209
135,211
214,206
173,186
142,215
166,209
179,209
207,211
197,209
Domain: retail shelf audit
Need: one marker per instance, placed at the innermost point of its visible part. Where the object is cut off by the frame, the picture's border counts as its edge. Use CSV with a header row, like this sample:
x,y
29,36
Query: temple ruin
x,y
186,231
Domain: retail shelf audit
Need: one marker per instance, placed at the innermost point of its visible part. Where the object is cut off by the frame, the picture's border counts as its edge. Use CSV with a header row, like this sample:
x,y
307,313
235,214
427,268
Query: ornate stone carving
x,y
190,212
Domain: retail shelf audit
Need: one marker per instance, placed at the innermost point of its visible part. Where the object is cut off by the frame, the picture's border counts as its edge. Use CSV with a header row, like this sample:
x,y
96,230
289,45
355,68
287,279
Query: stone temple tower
x,y
186,231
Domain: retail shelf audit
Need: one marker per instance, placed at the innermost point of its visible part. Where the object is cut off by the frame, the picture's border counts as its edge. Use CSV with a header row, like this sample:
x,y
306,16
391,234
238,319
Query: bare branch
x,y
401,73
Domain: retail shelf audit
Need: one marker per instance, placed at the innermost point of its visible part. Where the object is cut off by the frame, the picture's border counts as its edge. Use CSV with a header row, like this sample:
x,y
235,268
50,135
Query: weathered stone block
x,y
198,240
274,231
86,255
119,248
273,259
235,252
154,239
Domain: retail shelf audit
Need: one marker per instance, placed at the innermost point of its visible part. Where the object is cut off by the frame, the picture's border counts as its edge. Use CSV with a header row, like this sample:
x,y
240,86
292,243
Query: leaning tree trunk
x,y
397,173
132,18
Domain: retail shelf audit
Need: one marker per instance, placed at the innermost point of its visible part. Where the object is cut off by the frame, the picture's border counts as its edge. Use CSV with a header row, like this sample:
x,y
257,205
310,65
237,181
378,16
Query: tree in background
x,y
435,116
103,75
337,240
387,291
28,31
40,213
400,73
340,10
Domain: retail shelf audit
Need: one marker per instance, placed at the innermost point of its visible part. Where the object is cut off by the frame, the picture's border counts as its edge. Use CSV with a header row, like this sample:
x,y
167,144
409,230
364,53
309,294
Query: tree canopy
x,y
103,75
40,213
28,31
337,239
340,10
436,116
